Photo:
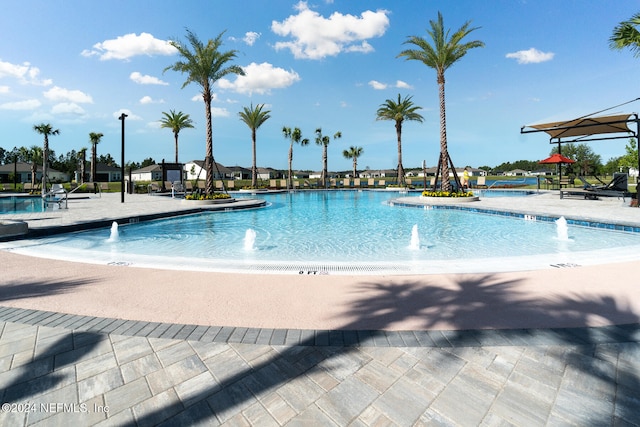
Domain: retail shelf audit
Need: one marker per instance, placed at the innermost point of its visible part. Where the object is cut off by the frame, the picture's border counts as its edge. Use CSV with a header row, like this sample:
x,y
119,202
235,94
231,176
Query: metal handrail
x,y
524,181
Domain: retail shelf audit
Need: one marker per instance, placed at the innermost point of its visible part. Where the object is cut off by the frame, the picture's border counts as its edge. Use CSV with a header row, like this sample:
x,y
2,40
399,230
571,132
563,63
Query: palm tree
x,y
353,153
254,118
324,140
176,122
83,160
398,112
293,135
94,138
442,54
34,156
204,64
626,34
45,129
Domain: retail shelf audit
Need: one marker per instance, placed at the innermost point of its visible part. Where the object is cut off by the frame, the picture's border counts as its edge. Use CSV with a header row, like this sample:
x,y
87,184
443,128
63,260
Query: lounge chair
x,y
231,185
617,187
382,183
371,182
283,183
346,183
219,185
356,182
273,184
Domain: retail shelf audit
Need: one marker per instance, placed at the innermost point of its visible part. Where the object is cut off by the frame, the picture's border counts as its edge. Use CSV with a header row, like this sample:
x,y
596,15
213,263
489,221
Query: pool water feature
x,y
345,232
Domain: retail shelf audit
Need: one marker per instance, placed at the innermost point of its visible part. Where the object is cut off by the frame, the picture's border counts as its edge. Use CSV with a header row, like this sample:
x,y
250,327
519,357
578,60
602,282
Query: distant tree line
x,y
68,163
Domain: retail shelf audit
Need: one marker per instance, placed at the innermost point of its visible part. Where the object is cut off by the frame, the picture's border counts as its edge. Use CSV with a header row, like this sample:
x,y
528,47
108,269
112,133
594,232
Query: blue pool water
x,y
355,231
21,204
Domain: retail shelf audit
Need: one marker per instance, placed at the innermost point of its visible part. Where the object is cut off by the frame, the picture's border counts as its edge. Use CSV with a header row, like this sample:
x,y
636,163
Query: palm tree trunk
x,y
45,156
355,166
290,164
93,162
208,161
324,165
254,170
444,152
175,135
400,168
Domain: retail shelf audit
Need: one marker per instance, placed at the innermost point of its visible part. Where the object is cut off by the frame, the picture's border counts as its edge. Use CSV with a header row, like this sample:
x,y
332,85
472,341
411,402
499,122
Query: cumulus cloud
x,y
59,94
530,56
315,37
377,85
130,115
67,108
24,73
29,104
250,37
260,78
130,45
219,112
4,89
148,100
146,79
381,86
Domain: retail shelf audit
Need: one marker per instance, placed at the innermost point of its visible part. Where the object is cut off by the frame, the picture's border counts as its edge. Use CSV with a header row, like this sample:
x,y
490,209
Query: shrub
x,y
460,193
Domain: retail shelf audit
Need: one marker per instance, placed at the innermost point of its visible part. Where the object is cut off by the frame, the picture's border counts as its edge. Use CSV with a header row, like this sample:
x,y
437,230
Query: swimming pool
x,y
340,232
21,204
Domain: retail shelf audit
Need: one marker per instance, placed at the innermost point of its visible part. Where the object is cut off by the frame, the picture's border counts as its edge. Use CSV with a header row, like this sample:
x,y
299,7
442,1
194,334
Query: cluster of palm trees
x,y
205,63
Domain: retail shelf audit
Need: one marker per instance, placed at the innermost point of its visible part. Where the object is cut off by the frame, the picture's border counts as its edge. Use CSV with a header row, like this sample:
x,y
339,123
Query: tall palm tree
x,y
34,156
442,54
399,111
324,140
45,129
83,160
176,122
294,136
353,153
254,118
204,64
626,34
94,138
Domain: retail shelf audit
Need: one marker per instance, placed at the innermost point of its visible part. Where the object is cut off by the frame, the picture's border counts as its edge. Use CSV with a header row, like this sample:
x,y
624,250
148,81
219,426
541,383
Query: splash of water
x,y
562,230
249,240
415,238
114,236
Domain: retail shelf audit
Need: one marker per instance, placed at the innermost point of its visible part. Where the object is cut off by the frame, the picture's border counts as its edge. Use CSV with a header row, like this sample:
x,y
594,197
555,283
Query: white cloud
x,y
25,73
29,104
381,86
148,100
260,78
4,89
315,37
57,93
219,112
531,56
377,85
250,37
130,45
67,108
130,115
146,79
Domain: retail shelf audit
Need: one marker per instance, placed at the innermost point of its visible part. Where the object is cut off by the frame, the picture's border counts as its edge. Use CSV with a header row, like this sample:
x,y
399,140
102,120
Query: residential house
x,y
195,170
23,173
147,173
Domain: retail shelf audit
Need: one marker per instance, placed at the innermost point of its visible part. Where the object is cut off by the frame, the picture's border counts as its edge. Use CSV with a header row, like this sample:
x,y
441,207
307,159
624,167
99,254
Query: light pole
x,y
122,117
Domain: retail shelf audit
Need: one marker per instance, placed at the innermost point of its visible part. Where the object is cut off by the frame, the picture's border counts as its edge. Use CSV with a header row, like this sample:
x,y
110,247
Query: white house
x,y
147,173
195,170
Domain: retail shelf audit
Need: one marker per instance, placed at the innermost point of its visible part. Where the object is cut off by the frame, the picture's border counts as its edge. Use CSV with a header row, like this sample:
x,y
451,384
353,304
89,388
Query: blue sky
x,y
329,64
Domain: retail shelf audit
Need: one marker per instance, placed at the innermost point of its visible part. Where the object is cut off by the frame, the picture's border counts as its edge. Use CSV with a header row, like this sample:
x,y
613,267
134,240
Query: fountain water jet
x,y
562,231
249,240
415,238
114,236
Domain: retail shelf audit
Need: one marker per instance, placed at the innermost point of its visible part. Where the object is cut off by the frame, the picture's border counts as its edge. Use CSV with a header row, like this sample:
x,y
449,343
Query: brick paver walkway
x,y
58,369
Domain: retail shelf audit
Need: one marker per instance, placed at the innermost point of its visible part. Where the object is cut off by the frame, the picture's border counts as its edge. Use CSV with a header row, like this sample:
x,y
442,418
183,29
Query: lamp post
x,y
122,117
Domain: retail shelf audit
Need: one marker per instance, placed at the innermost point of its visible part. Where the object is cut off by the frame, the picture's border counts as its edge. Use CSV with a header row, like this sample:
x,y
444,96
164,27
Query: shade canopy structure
x,y
590,128
587,128
556,159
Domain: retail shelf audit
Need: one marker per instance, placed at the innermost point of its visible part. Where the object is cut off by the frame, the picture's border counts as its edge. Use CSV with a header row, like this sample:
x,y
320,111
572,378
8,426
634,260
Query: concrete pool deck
x,y
526,348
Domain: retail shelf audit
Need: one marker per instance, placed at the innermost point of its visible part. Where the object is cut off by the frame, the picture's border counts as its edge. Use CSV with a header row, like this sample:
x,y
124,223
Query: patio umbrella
x,y
557,159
